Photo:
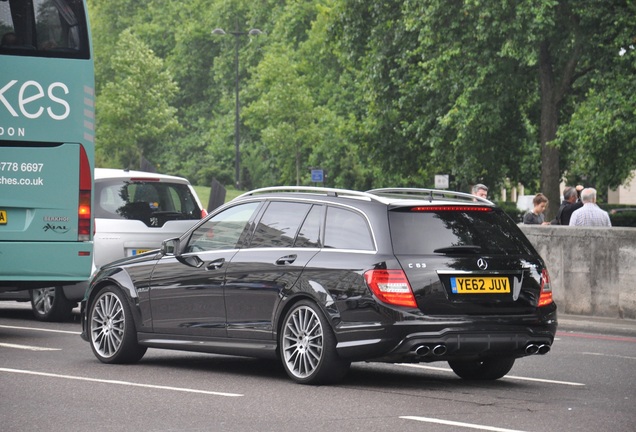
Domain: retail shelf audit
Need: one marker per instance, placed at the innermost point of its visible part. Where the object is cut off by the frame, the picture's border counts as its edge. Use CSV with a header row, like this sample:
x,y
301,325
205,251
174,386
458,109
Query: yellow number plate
x,y
480,285
3,217
139,251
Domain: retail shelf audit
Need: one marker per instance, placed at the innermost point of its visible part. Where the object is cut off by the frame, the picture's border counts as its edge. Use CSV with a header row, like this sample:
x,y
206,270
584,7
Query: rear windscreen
x,y
423,232
117,199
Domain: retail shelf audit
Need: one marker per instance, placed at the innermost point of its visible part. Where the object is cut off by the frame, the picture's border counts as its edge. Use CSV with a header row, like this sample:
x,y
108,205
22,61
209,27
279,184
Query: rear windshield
x,y
423,232
150,202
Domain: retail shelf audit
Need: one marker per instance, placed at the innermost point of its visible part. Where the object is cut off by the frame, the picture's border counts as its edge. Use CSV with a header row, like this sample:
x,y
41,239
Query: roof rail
x,y
430,194
312,189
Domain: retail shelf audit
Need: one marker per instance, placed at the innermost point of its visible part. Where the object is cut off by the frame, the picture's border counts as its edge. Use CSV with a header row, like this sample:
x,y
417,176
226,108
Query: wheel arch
x,y
331,313
119,279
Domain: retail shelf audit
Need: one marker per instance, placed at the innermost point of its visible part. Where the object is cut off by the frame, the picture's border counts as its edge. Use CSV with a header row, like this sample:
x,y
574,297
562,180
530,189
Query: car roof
x,y
112,173
387,196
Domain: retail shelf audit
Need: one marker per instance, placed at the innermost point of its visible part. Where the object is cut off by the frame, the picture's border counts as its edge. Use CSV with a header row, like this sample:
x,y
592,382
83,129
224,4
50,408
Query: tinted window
x,y
153,203
345,229
309,234
279,224
423,232
224,230
44,28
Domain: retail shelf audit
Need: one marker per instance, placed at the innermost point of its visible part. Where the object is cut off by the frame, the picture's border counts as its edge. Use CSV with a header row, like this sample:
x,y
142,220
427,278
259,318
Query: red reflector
x,y
450,208
391,287
84,253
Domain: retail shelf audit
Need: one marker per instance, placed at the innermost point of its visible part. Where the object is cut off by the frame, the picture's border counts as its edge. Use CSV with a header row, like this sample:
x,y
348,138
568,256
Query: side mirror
x,y
170,246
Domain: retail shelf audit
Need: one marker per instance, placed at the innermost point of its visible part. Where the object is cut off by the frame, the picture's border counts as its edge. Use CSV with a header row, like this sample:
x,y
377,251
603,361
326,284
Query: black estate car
x,y
320,278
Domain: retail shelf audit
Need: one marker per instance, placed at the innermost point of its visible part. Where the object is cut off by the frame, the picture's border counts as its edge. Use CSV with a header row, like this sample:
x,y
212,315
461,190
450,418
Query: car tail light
x,y
545,298
391,287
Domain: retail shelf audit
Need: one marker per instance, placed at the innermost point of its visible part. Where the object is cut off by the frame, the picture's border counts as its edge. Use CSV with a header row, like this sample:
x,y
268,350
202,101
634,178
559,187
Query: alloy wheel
x,y
107,325
302,342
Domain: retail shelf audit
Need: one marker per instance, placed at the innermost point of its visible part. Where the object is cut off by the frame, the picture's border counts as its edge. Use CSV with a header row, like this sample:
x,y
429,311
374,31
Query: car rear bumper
x,y
417,341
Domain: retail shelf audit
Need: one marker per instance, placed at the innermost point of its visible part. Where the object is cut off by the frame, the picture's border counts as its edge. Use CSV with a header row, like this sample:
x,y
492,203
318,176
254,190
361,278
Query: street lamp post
x,y
237,34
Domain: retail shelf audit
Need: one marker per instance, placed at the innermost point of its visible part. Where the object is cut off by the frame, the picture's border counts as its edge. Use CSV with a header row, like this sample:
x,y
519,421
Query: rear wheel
x,y
485,369
111,328
308,346
50,304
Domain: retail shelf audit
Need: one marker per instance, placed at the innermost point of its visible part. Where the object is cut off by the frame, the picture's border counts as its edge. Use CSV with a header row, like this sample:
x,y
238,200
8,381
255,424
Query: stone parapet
x,y
592,269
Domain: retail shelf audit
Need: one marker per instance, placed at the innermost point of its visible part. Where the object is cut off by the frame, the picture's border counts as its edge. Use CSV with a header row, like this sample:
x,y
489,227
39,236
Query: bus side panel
x,y
65,261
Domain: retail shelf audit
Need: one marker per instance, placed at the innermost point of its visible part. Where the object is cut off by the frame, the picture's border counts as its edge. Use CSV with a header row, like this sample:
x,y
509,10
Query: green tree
x,y
135,118
480,90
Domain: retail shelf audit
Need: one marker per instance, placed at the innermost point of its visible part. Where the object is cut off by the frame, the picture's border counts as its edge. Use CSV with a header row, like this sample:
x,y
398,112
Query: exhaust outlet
x,y
532,349
439,350
544,349
422,350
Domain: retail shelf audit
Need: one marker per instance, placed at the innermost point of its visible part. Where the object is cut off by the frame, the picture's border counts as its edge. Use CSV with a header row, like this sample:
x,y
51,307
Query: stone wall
x,y
592,269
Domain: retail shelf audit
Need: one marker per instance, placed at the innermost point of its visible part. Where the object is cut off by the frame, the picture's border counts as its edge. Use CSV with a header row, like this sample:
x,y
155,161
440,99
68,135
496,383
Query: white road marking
x,y
609,355
125,383
40,329
458,424
512,377
28,347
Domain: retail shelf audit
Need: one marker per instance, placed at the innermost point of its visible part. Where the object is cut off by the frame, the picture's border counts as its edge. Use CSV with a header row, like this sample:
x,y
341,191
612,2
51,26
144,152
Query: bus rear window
x,y
44,28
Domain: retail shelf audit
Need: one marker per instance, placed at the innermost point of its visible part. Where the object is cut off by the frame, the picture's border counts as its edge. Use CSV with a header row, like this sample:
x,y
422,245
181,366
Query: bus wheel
x,y
50,304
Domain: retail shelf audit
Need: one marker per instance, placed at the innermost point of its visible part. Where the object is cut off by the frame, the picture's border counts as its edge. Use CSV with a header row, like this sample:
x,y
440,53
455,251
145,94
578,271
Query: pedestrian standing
x,y
535,216
590,214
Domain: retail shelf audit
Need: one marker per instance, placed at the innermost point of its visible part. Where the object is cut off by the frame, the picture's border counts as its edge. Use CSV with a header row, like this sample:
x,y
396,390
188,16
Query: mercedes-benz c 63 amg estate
x,y
320,278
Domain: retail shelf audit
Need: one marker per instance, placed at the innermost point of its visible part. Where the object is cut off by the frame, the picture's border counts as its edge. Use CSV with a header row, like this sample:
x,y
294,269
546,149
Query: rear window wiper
x,y
459,249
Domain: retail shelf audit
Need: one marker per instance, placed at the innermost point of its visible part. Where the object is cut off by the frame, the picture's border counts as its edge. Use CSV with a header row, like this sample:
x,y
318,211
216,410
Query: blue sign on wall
x,y
317,176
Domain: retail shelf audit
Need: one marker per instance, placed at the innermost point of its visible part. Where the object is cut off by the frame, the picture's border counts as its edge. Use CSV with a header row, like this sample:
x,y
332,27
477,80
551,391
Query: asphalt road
x,y
50,380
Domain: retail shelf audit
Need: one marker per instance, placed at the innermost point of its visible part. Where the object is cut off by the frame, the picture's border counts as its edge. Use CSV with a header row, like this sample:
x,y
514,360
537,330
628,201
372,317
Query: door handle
x,y
216,264
286,260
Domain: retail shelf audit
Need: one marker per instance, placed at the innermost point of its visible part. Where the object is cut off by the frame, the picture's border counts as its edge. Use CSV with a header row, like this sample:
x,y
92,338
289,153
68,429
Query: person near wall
x,y
480,190
571,202
590,214
535,216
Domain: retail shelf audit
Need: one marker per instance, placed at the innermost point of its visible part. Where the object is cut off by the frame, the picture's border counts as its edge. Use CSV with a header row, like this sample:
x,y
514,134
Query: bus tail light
x,y
85,198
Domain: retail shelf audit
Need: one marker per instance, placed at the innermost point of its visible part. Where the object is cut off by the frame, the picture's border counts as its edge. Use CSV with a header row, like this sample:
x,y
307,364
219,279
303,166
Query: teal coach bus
x,y
47,129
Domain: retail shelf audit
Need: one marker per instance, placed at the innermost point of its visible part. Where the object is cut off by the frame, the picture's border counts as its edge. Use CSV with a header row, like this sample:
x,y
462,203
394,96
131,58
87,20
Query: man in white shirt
x,y
590,214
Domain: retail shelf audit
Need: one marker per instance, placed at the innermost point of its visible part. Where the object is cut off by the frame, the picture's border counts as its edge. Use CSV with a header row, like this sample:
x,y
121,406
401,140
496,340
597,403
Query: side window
x,y
222,231
345,229
309,234
279,224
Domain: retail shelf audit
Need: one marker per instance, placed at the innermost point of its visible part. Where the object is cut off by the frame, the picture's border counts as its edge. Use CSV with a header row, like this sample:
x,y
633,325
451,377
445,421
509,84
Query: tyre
x,y
308,346
111,328
485,369
50,304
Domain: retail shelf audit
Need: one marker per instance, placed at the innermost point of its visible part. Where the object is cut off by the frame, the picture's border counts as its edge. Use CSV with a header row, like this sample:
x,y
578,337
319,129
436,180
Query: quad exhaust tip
x,y
541,349
424,350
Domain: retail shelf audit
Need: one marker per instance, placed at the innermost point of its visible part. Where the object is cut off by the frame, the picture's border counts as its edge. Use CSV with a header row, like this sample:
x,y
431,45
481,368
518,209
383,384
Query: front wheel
x,y
111,328
485,369
308,346
50,304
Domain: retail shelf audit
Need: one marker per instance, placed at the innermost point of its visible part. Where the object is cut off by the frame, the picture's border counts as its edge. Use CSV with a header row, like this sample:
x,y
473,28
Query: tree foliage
x,y
375,93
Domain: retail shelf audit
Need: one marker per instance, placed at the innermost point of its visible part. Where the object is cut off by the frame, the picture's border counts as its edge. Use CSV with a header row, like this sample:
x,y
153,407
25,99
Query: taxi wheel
x,y
50,304
485,369
308,346
111,328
